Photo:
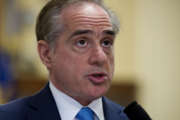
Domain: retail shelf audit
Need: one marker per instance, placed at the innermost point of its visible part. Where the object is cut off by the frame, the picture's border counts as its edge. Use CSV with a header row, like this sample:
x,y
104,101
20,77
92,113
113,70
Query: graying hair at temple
x,y
49,24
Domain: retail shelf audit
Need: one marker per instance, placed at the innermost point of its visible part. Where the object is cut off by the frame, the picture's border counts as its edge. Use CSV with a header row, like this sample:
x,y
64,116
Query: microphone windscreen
x,y
135,112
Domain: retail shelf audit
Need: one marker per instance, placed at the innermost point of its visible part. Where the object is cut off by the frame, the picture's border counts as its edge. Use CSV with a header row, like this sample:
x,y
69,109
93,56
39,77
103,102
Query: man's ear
x,y
45,53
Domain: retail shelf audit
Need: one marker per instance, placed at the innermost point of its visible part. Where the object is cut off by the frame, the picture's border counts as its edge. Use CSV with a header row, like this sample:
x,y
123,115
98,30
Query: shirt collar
x,y
97,107
68,107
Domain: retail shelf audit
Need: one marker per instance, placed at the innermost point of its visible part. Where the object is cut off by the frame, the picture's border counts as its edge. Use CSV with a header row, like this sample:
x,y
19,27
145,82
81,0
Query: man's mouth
x,y
98,78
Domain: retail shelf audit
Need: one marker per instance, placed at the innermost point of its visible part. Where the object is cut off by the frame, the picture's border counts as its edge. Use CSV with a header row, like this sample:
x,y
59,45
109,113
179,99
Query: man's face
x,y
83,61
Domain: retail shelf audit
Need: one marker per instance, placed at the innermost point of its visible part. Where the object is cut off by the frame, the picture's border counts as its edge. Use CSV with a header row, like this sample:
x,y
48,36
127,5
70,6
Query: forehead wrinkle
x,y
91,21
93,24
98,21
100,25
93,18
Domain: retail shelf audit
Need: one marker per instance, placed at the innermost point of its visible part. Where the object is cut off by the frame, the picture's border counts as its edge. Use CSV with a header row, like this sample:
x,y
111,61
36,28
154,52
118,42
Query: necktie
x,y
85,114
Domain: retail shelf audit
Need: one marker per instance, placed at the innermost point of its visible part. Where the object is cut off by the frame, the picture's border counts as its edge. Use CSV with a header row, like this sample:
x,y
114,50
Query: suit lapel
x,y
43,106
113,111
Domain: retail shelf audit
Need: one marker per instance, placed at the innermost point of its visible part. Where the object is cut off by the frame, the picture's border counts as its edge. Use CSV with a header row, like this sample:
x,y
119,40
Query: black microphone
x,y
135,112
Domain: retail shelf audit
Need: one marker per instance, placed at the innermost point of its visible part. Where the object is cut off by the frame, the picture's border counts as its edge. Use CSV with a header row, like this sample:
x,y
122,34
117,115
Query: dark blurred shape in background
x,y
7,82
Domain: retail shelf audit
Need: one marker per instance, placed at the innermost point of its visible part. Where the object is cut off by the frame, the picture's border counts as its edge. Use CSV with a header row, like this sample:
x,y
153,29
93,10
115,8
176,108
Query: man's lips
x,y
97,77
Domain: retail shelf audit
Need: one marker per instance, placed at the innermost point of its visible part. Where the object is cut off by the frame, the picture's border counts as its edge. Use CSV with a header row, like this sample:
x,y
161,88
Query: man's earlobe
x,y
44,51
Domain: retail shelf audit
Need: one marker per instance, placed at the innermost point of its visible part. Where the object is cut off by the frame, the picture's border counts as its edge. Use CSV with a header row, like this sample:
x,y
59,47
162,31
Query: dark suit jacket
x,y
42,107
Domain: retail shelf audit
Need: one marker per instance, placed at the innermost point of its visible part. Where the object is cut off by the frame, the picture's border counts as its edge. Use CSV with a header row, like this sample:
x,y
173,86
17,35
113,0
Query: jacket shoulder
x,y
14,110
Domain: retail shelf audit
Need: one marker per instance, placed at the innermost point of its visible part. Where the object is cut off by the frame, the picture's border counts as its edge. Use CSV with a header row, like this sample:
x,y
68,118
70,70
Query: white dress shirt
x,y
68,107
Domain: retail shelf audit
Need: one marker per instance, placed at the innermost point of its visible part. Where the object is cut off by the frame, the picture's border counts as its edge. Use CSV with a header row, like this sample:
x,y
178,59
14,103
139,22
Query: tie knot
x,y
85,114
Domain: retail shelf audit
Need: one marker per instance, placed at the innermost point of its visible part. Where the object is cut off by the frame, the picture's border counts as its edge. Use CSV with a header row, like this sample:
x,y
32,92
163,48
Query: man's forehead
x,y
85,9
86,14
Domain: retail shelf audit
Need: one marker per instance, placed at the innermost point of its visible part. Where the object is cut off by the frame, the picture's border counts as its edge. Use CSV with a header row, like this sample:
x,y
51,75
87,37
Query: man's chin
x,y
97,93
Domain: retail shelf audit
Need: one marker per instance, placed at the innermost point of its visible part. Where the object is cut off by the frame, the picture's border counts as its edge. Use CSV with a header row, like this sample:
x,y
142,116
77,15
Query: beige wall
x,y
124,45
148,49
157,52
1,5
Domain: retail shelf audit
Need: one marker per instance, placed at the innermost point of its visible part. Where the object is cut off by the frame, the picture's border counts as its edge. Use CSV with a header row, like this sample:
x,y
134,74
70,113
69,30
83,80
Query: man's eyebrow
x,y
80,32
109,32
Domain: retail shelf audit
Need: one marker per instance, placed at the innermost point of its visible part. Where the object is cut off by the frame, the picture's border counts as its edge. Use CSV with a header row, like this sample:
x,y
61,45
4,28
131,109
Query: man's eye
x,y
82,43
107,43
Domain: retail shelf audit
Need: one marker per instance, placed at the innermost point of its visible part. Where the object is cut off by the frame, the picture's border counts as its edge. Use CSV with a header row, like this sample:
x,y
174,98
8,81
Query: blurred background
x,y
147,54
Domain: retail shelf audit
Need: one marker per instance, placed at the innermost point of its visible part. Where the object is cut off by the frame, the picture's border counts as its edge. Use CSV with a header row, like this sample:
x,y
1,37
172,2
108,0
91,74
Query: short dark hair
x,y
49,24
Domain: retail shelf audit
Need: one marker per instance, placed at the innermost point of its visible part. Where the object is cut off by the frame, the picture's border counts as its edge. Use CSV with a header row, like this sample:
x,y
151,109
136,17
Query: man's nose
x,y
97,56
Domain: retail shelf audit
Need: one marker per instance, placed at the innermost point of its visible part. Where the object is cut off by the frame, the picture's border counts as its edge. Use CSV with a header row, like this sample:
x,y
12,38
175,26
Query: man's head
x,y
81,63
50,25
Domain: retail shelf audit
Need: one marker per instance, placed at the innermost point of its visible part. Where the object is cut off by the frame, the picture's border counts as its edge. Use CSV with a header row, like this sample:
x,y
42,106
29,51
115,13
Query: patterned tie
x,y
85,114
